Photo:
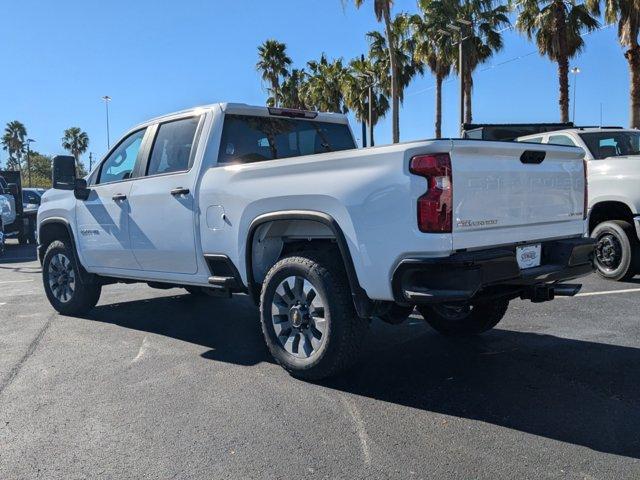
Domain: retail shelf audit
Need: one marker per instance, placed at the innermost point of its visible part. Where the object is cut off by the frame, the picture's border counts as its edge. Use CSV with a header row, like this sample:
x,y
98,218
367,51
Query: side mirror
x,y
13,190
64,172
81,191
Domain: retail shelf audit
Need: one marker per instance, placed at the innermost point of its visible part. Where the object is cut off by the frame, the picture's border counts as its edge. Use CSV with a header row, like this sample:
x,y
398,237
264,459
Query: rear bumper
x,y
465,275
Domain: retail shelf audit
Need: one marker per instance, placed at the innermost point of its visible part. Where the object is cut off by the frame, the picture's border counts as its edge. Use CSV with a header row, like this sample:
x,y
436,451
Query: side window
x,y
532,140
172,147
561,140
120,164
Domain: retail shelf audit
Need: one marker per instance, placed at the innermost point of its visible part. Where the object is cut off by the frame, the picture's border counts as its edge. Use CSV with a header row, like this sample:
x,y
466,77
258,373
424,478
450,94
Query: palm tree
x,y
480,24
361,74
292,90
406,64
382,9
273,62
76,142
13,141
557,26
627,14
434,48
323,89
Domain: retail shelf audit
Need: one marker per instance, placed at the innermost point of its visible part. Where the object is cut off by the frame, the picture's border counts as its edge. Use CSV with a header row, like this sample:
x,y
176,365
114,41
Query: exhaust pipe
x,y
567,289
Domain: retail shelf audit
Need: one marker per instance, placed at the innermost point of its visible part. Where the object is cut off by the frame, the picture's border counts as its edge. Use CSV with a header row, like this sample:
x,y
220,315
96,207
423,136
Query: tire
x,y
31,234
464,319
396,314
617,247
321,335
71,296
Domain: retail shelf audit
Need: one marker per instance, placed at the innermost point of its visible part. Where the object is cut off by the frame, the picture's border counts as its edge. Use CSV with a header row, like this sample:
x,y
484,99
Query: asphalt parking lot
x,y
157,384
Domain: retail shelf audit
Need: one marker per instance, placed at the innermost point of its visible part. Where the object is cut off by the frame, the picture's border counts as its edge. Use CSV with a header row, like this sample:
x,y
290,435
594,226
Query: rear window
x,y
254,139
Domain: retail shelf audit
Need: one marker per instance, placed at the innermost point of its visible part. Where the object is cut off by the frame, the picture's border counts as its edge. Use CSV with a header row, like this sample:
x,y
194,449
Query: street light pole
x,y
107,99
29,142
371,141
461,73
575,71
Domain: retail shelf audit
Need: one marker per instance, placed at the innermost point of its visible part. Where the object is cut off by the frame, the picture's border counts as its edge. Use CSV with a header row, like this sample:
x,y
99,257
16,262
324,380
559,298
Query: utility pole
x,y
452,30
107,99
90,161
29,142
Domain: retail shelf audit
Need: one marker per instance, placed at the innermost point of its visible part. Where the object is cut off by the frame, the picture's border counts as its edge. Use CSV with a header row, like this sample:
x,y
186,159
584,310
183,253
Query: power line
x,y
504,62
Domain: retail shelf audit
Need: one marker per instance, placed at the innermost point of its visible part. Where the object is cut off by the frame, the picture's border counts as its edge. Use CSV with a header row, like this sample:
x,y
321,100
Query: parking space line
x,y
607,292
16,281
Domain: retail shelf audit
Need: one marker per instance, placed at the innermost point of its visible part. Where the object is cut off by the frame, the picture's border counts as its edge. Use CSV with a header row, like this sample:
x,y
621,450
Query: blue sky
x,y
153,57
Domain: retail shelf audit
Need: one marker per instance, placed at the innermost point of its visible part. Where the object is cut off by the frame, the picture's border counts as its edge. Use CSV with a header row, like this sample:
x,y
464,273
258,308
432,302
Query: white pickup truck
x,y
613,174
279,204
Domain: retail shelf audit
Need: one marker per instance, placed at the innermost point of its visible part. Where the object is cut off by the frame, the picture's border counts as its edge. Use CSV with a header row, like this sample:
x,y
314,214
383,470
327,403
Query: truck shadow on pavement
x,y
15,253
580,392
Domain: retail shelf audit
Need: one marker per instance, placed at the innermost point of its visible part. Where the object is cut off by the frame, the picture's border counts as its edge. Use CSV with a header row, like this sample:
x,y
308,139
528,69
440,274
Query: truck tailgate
x,y
502,195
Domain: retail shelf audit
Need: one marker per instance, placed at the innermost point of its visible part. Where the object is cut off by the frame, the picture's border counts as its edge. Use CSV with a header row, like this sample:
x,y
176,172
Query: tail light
x,y
434,207
586,192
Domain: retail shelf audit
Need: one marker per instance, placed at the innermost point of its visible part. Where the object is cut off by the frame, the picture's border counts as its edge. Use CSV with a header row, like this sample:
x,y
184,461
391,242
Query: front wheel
x,y
62,284
616,250
308,318
464,319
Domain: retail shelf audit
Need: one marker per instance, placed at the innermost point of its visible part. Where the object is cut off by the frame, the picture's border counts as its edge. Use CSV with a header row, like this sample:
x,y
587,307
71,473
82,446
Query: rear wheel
x,y
62,285
464,318
31,231
616,250
308,318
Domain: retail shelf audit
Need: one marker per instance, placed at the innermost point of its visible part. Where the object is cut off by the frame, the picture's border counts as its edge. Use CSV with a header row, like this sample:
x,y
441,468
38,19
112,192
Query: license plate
x,y
528,256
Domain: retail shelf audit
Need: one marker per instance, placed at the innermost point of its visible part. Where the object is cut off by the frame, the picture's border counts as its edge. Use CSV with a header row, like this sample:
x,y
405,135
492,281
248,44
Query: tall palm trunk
x,y
563,76
468,114
562,59
276,89
633,57
438,127
395,98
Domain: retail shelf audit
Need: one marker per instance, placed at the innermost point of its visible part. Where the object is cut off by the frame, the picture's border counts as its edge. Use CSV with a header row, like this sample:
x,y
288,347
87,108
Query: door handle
x,y
179,191
118,197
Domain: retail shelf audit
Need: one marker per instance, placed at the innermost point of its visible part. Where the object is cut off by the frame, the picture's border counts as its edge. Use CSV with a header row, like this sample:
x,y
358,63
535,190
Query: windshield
x,y
612,144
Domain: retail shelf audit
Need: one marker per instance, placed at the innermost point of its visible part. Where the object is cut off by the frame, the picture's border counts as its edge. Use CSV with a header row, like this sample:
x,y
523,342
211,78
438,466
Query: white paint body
x,y
369,192
611,179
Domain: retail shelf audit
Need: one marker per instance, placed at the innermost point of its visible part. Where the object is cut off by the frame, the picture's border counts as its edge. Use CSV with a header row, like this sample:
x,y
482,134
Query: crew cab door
x,y
102,219
162,226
